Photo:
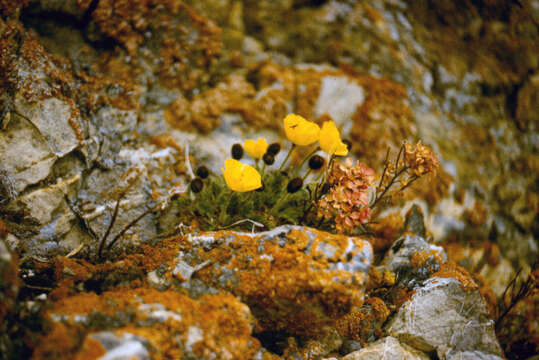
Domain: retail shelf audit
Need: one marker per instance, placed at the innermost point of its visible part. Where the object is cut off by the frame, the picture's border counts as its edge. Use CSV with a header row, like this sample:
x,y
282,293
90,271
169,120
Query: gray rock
x,y
126,347
271,270
387,348
443,317
25,156
339,97
472,355
54,119
399,257
43,202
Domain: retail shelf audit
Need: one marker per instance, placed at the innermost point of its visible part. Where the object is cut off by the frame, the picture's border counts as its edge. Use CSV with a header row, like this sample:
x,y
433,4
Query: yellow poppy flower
x,y
330,140
256,149
240,177
300,131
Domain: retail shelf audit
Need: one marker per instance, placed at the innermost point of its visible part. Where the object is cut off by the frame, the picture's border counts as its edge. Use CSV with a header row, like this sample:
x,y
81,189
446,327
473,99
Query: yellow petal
x,y
300,131
240,177
256,149
330,140
250,179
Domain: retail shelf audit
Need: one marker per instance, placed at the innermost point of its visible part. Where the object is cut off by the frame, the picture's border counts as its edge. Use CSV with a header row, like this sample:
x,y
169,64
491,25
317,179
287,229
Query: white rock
x,y
52,118
339,97
443,317
24,154
387,348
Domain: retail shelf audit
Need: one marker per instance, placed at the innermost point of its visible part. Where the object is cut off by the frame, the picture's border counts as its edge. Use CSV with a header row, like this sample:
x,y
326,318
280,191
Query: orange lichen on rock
x,y
385,231
383,120
431,191
60,342
361,324
452,270
420,259
91,349
202,112
378,279
286,286
171,23
4,230
212,326
477,215
223,324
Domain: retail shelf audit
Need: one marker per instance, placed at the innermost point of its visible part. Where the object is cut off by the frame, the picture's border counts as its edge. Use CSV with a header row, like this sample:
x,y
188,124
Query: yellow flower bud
x,y
240,177
256,149
330,140
300,131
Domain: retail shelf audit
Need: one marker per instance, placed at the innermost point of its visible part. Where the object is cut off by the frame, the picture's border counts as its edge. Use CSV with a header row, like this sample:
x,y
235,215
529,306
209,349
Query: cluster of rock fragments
x,y
102,97
292,292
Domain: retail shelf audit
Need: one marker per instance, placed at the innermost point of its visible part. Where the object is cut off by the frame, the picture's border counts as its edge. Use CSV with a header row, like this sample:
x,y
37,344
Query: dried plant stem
x,y
386,188
524,290
131,224
386,164
109,228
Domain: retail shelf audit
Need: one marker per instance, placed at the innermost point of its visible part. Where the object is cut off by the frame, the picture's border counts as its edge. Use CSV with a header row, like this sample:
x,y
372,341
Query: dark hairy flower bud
x,y
316,162
294,185
237,151
268,158
196,185
325,189
274,149
202,172
348,144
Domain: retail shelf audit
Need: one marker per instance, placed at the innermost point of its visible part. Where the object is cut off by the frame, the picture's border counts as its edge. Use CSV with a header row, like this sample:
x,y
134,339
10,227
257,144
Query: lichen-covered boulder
x,y
413,259
446,316
145,323
293,278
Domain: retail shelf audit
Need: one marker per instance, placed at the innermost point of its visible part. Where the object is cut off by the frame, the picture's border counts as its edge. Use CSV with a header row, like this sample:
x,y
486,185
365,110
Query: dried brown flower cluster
x,y
347,201
420,159
413,162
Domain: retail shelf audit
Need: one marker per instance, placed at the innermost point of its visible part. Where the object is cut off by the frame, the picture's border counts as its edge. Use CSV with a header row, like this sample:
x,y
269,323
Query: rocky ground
x,y
101,97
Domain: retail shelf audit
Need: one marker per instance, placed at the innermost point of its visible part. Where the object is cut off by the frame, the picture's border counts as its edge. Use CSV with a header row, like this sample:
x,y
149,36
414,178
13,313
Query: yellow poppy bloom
x,y
240,177
330,140
256,149
300,131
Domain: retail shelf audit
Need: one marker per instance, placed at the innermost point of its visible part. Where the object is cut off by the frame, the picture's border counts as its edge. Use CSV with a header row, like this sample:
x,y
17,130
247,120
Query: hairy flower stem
x,y
304,160
306,174
287,156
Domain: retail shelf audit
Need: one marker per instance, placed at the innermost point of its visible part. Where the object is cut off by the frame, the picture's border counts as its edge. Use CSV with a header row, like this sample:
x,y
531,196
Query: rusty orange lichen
x,y
203,111
477,215
452,270
183,60
384,118
4,230
91,349
360,324
385,231
278,290
61,342
420,258
223,322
